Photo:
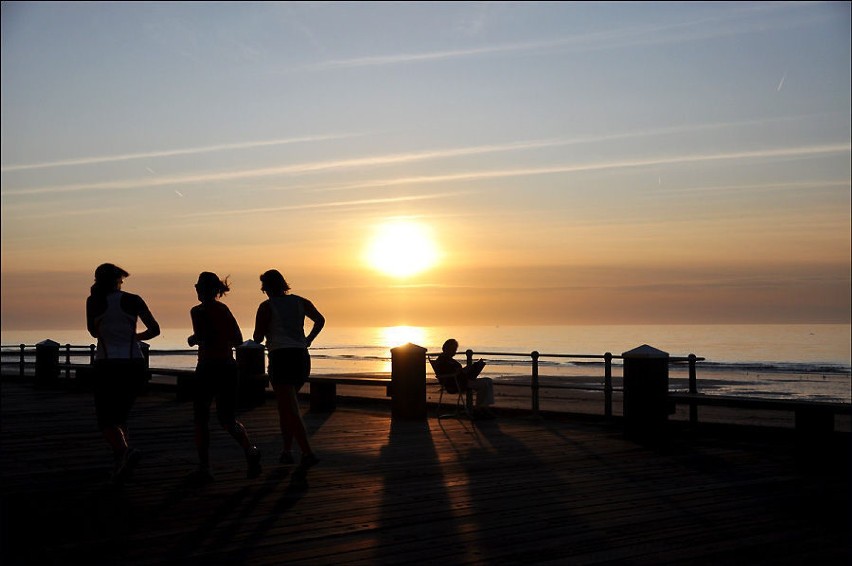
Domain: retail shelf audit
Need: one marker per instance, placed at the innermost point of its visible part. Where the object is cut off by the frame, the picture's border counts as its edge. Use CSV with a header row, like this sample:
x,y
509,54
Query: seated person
x,y
468,377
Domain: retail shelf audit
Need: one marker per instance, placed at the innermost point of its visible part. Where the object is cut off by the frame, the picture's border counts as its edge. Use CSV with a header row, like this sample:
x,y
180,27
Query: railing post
x,y
91,354
693,389
608,385
468,396
534,384
23,362
67,361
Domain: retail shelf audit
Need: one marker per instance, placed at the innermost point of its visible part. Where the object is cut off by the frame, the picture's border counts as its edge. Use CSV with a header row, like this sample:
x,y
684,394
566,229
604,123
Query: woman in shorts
x,y
216,332
120,367
281,321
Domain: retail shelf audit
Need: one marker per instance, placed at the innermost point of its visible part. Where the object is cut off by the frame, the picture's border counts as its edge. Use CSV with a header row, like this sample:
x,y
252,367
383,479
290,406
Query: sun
x,y
401,248
392,336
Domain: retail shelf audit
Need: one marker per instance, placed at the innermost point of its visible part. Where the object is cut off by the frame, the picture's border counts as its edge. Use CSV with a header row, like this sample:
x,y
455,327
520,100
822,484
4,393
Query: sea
x,y
792,361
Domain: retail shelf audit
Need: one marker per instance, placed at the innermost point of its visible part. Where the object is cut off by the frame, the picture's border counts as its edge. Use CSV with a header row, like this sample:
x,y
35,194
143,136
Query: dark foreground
x,y
510,491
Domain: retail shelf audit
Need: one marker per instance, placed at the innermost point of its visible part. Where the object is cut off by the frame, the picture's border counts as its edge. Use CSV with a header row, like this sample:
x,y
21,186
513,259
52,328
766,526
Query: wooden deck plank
x,y
516,490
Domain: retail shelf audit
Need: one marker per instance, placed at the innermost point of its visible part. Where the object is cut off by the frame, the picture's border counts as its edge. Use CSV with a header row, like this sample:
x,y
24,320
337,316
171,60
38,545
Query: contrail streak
x,y
306,168
169,153
336,204
681,32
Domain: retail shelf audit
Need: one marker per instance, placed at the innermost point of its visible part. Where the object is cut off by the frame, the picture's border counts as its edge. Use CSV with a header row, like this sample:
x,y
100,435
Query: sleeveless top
x,y
217,330
287,327
117,331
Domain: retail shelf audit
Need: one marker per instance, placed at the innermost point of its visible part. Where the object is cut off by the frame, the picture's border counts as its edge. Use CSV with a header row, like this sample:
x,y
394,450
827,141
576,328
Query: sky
x,y
543,163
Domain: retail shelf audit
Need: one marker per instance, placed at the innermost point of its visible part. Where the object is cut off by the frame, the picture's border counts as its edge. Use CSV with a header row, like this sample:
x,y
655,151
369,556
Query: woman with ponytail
x,y
216,332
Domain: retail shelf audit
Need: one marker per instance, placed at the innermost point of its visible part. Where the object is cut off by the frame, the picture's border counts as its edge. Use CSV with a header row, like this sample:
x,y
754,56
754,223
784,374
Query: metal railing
x,y
23,352
607,358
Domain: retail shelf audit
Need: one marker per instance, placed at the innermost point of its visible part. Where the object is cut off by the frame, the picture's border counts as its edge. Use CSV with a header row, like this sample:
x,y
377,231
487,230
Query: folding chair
x,y
450,383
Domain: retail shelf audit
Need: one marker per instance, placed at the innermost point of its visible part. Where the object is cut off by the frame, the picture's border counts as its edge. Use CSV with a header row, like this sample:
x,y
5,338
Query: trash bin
x,y
47,363
251,367
646,390
408,382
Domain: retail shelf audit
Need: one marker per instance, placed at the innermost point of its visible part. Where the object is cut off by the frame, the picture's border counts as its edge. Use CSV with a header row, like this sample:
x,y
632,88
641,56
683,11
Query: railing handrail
x,y
16,347
534,358
7,348
692,398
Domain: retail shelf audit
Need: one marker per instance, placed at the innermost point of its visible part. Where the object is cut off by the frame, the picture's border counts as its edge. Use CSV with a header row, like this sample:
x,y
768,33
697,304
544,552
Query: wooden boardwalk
x,y
515,490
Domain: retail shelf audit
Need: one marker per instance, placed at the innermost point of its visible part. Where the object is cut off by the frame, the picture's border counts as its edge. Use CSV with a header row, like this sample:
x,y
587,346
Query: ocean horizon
x,y
735,343
807,361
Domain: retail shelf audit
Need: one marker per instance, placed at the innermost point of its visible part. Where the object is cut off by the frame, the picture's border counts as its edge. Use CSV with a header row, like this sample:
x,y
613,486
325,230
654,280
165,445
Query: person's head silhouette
x,y
273,283
108,277
450,347
210,287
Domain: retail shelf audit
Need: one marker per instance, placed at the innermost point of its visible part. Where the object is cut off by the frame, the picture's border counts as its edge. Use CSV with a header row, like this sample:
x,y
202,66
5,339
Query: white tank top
x,y
116,332
287,327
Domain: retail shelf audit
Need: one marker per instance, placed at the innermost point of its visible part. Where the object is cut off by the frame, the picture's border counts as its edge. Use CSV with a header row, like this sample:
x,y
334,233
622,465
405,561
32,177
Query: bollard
x,y
323,396
185,389
146,354
408,382
47,363
646,389
251,366
185,383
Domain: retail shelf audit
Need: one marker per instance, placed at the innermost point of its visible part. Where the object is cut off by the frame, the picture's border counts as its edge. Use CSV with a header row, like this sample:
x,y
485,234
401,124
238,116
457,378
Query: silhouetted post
x,y
186,383
468,392
23,359
693,389
646,389
67,361
185,386
251,367
84,376
608,385
46,363
534,384
408,382
146,354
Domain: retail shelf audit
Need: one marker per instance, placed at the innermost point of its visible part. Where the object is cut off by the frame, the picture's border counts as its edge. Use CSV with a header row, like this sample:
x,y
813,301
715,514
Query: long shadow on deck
x,y
419,483
242,519
511,511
